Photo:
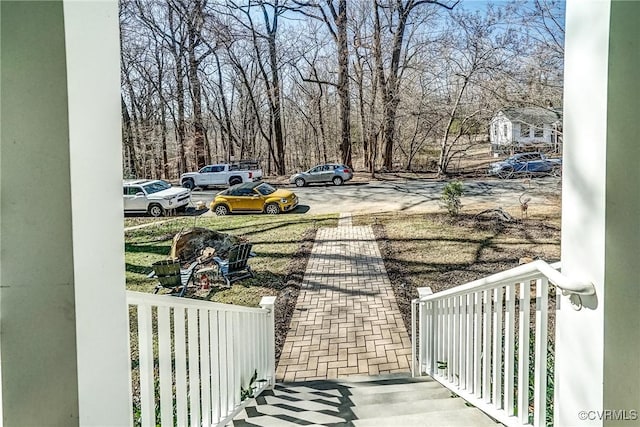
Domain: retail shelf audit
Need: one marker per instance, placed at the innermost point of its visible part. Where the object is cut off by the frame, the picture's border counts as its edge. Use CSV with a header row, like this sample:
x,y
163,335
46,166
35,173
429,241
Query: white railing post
x,y
268,303
414,360
425,334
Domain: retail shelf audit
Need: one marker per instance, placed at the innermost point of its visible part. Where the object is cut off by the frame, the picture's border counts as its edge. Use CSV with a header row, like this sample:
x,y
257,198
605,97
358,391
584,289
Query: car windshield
x,y
155,186
265,189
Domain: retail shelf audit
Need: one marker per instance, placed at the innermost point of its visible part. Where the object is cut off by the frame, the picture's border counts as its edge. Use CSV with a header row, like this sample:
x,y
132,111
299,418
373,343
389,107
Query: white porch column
x,y
598,348
63,336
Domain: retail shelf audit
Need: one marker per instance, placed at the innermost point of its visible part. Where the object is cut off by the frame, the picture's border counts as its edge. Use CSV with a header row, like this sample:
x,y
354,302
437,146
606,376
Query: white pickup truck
x,y
219,175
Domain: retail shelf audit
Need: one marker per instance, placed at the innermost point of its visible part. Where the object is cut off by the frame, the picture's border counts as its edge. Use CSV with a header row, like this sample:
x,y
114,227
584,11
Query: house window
x,y
504,130
525,130
539,131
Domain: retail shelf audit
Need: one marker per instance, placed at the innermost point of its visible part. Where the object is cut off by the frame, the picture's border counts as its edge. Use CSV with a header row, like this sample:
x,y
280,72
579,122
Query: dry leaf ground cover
x,y
441,251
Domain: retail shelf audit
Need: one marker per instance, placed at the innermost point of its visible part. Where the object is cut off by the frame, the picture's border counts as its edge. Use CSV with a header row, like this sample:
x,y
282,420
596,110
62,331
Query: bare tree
x,y
398,12
277,79
334,14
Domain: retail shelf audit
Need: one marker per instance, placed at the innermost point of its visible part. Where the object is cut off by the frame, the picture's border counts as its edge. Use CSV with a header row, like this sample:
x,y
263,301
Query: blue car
x,y
526,163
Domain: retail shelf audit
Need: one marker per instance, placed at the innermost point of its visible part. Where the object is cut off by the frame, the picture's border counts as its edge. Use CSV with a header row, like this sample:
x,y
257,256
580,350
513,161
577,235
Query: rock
x,y
191,243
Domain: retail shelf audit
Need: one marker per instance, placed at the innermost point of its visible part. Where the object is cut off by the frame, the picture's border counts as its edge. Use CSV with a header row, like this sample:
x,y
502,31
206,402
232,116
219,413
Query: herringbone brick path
x,y
346,321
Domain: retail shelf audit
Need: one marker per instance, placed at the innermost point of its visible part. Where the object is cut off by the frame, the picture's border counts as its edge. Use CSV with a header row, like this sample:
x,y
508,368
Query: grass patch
x,y
275,241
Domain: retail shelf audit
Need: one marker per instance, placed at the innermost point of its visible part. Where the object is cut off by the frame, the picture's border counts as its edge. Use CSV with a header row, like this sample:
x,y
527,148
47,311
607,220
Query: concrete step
x,y
362,401
400,396
369,389
407,408
452,418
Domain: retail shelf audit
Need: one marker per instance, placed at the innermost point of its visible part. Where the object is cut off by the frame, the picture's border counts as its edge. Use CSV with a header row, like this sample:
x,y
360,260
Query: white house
x,y
515,128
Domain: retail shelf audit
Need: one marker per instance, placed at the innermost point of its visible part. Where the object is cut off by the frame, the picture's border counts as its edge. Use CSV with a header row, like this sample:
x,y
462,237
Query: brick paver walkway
x,y
346,321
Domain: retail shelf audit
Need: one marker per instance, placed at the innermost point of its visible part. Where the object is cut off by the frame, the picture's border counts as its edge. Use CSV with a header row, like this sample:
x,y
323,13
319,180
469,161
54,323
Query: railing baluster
x,y
433,337
164,360
497,349
180,348
224,366
442,341
436,337
455,378
215,366
486,347
250,342
462,354
231,365
194,368
254,346
477,352
264,345
145,349
445,336
540,369
469,357
205,381
509,350
450,339
523,354
417,348
243,350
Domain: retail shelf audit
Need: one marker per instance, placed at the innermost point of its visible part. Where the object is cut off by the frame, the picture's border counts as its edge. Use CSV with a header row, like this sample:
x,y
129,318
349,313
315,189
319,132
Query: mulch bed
x,y
288,295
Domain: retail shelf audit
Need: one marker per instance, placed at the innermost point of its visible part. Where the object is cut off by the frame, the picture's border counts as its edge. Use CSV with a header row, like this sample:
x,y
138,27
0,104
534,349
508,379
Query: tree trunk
x,y
127,140
343,84
443,161
196,90
275,101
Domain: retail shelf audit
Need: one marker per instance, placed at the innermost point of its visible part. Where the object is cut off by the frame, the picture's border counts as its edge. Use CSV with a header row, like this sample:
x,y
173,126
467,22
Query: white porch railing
x,y
487,340
190,358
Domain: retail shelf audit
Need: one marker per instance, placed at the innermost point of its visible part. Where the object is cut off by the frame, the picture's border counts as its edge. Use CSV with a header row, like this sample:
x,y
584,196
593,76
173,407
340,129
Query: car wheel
x,y
235,181
221,210
557,171
505,173
300,182
337,180
189,184
156,210
272,209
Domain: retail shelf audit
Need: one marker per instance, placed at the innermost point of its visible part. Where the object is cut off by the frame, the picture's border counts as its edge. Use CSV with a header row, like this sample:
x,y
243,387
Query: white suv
x,y
155,197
